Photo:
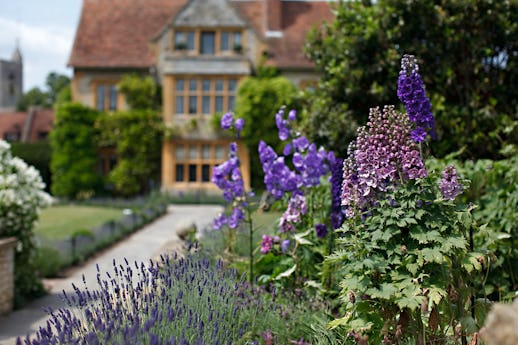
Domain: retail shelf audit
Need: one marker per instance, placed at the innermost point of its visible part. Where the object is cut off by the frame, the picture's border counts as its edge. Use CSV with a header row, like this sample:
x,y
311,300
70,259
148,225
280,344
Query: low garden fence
x,y
57,254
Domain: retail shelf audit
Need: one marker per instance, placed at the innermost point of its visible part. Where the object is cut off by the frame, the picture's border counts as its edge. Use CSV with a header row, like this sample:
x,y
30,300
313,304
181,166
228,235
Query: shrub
x,y
138,166
21,197
38,155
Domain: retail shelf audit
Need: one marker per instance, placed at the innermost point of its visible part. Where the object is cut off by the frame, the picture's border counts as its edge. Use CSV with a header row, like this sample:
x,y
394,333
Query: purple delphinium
x,y
297,207
310,164
449,185
285,246
337,216
321,230
266,244
382,155
411,92
240,123
226,121
227,176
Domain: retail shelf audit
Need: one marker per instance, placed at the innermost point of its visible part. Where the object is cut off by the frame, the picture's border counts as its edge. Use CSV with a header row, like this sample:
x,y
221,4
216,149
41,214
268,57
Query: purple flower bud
x,y
292,115
285,246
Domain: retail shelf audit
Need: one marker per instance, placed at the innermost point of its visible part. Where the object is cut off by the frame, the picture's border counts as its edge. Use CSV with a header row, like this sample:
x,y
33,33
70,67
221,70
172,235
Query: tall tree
x,y
55,84
467,53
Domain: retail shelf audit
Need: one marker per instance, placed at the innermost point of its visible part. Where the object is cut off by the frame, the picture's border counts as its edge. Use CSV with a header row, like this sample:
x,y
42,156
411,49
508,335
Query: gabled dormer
x,y
205,29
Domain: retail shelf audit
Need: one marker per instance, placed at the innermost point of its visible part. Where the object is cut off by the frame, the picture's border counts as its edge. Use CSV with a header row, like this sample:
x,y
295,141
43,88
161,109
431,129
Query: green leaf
x,y
287,273
469,325
299,238
436,295
411,303
432,255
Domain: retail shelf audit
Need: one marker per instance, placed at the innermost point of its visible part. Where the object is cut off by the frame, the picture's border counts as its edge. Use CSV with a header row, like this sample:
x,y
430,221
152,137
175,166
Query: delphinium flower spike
x,y
411,92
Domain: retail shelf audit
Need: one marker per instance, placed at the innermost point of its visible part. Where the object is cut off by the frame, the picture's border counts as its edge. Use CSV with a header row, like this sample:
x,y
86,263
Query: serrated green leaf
x,y
411,221
436,295
343,321
401,223
411,303
432,255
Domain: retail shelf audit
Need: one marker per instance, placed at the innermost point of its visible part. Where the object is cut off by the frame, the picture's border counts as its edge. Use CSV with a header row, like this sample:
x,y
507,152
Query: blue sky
x,y
45,31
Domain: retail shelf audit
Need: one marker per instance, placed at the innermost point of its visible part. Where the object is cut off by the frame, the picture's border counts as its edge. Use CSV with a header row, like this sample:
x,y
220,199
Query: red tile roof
x,y
116,33
16,122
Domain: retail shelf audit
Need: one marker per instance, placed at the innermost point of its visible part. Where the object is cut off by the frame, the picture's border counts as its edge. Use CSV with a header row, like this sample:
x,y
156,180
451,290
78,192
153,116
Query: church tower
x,y
11,80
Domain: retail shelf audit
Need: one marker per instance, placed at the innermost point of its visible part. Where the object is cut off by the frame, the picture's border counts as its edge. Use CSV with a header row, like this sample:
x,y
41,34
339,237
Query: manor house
x,y
198,51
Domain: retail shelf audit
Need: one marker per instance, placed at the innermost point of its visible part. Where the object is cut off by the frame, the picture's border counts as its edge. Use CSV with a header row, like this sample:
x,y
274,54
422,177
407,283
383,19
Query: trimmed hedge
x,y
38,155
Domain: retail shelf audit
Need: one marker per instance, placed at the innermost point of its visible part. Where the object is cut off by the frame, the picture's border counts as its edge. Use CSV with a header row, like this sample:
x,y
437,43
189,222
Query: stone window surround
x,y
236,40
199,93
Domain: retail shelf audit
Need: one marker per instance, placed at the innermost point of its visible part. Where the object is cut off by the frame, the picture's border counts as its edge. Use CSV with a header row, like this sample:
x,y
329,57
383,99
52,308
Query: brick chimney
x,y
273,17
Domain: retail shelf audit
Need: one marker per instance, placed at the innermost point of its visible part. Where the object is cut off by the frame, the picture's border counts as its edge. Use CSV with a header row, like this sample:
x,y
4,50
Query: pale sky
x,y
45,31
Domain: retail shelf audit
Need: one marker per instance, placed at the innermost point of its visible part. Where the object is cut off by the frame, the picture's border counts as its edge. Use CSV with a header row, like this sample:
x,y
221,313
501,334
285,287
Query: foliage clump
x,y
74,152
138,161
21,197
469,50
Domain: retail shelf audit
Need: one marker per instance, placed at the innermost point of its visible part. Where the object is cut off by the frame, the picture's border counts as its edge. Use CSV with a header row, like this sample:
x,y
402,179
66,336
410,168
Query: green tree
x,y
55,84
258,100
140,92
467,51
137,137
74,152
33,97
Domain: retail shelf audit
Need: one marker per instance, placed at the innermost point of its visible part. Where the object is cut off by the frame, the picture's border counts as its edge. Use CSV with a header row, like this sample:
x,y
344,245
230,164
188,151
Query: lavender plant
x,y
179,300
404,254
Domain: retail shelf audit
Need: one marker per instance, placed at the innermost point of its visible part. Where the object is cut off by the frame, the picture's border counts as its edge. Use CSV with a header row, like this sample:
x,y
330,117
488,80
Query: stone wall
x,y
7,246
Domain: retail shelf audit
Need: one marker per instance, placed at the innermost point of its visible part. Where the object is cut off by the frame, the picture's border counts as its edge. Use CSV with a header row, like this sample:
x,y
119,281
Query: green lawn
x,y
61,221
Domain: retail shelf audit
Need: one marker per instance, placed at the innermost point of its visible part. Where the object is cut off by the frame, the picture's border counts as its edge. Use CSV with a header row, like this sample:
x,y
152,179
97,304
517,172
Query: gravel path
x,y
154,239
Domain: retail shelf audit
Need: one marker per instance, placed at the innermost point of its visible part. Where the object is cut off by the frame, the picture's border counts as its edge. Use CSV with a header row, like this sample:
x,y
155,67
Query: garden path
x,y
154,239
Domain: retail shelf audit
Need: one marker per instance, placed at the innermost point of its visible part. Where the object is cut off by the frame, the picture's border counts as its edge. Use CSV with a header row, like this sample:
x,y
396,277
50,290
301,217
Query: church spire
x,y
17,55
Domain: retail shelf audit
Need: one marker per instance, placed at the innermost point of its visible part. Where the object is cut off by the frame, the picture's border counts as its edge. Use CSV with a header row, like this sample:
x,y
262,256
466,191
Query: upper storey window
x,y
184,40
208,42
231,41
